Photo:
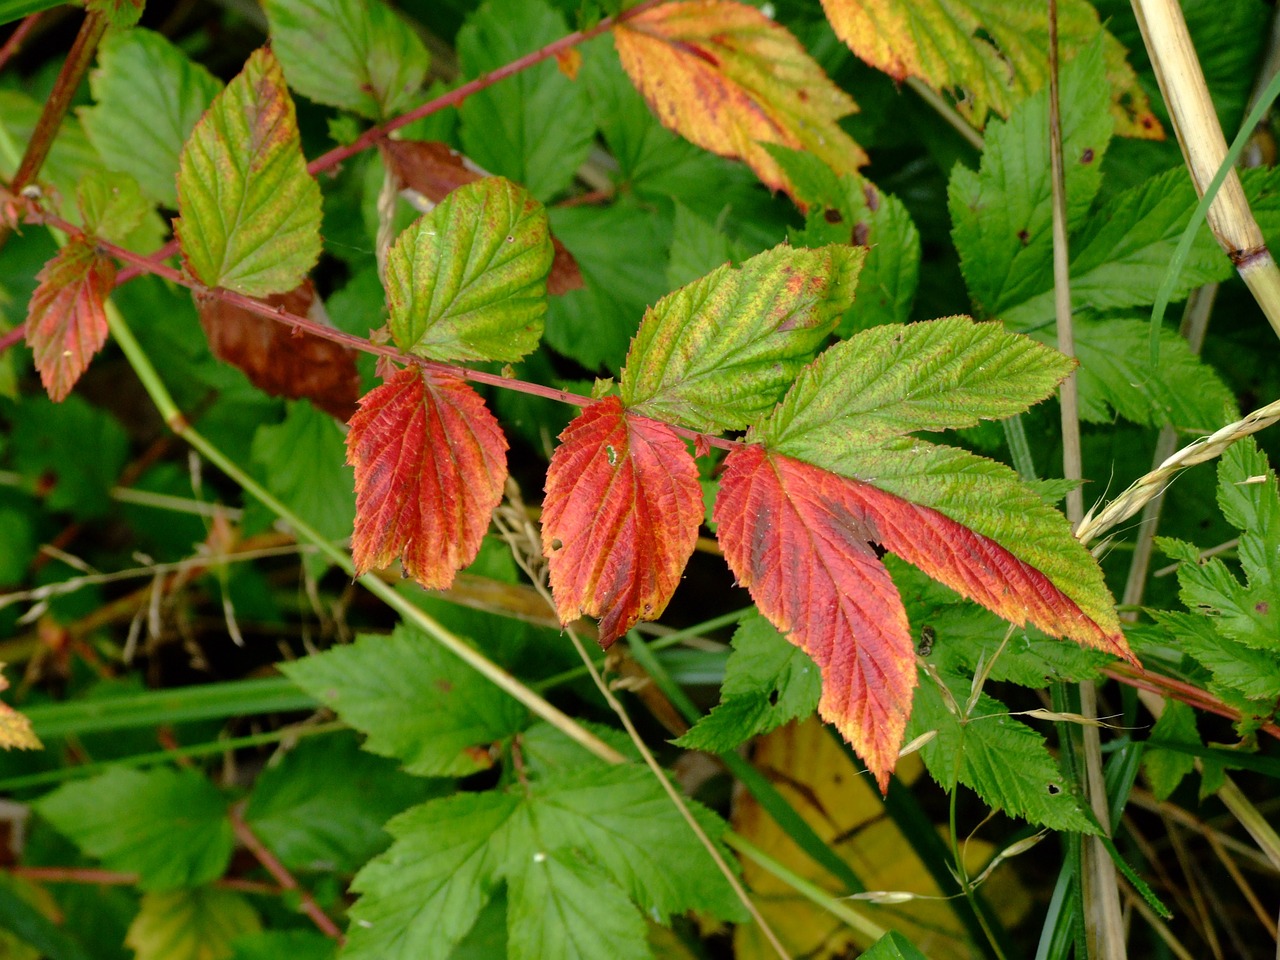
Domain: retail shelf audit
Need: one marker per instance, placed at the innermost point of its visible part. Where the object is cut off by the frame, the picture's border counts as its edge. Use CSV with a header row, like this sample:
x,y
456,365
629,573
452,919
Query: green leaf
x,y
892,946
697,248
716,354
70,158
168,826
414,701
1235,668
24,921
275,944
353,54
893,379
18,534
767,682
850,209
1165,769
1001,759
467,281
48,445
304,462
250,212
612,833
1002,215
1116,373
194,924
535,127
119,13
111,204
622,253
148,96
313,820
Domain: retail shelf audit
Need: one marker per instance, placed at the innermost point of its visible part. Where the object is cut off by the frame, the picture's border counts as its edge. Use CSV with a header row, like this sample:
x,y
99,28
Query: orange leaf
x,y
281,361
66,319
430,463
796,536
620,519
435,170
726,77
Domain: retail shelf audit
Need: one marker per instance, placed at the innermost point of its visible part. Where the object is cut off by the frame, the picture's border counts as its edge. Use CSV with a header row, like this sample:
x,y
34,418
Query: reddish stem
x,y
454,97
1180,690
17,38
116,878
12,337
324,923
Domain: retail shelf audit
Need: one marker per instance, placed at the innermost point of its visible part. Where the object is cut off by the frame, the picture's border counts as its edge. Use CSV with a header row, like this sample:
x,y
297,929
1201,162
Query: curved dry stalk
x,y
1149,485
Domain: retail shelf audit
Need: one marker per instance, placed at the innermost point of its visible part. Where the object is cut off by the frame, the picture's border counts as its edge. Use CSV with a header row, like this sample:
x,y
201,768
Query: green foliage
x,y
190,924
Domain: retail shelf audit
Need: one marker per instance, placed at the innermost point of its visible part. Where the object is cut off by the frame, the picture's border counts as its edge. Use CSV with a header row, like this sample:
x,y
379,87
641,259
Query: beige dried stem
x,y
1164,31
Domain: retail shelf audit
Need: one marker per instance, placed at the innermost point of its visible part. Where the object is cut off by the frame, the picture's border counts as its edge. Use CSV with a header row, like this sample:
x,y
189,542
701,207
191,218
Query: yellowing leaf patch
x,y
994,52
726,77
67,320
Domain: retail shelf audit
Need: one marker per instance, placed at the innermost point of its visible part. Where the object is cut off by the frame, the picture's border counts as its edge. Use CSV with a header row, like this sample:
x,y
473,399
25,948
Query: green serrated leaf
x,y
414,701
850,209
894,379
716,354
250,212
111,204
1251,674
467,281
70,157
353,54
168,826
1166,768
48,444
148,96
1116,372
1002,215
767,681
535,127
313,820
697,248
275,944
892,946
304,464
197,924
1001,759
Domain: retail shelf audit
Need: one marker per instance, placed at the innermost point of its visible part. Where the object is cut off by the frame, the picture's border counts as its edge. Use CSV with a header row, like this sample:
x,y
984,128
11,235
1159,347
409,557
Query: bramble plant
x,y
671,267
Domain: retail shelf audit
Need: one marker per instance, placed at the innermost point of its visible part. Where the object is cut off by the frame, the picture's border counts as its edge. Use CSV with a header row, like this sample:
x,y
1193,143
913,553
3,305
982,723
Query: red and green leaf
x,y
717,353
726,77
430,463
250,212
620,519
798,538
992,51
468,281
66,318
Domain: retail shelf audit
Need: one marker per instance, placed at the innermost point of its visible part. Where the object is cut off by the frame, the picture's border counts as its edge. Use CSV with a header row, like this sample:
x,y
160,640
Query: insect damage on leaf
x,y
620,519
430,463
66,318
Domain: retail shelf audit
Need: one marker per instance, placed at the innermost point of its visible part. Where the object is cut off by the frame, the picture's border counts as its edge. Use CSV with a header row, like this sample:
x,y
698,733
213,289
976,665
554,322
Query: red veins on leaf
x,y
799,538
620,518
430,463
66,319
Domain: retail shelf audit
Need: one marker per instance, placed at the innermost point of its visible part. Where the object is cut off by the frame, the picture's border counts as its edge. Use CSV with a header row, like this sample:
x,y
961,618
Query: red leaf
x,y
435,170
795,535
430,462
281,361
620,519
66,319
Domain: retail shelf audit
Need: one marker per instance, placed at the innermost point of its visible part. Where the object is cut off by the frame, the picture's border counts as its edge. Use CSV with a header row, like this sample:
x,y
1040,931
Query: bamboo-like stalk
x,y
1182,83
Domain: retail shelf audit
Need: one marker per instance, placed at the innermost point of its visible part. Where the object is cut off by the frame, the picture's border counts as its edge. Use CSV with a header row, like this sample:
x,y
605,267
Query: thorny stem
x,y
324,923
55,108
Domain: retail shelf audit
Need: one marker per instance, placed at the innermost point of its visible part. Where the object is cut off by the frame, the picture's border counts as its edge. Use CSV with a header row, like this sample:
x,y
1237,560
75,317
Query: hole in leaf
x,y
1054,789
773,698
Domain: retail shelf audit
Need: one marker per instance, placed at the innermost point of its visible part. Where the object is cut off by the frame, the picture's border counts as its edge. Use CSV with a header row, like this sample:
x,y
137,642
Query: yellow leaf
x,y
726,77
992,51
15,729
817,778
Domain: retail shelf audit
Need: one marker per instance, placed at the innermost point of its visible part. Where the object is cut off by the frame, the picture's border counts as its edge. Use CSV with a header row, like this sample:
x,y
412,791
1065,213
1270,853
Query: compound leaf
x,y
353,54
148,96
250,212
728,78
66,318
992,51
430,464
715,354
620,518
468,281
168,826
414,701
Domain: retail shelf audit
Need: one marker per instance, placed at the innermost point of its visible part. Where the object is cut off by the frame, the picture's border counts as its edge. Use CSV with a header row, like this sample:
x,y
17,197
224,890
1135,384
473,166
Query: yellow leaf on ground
x,y
991,52
844,807
726,77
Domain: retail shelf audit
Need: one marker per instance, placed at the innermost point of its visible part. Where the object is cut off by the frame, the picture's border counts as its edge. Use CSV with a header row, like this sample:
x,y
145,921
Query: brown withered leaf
x,y
281,361
433,170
